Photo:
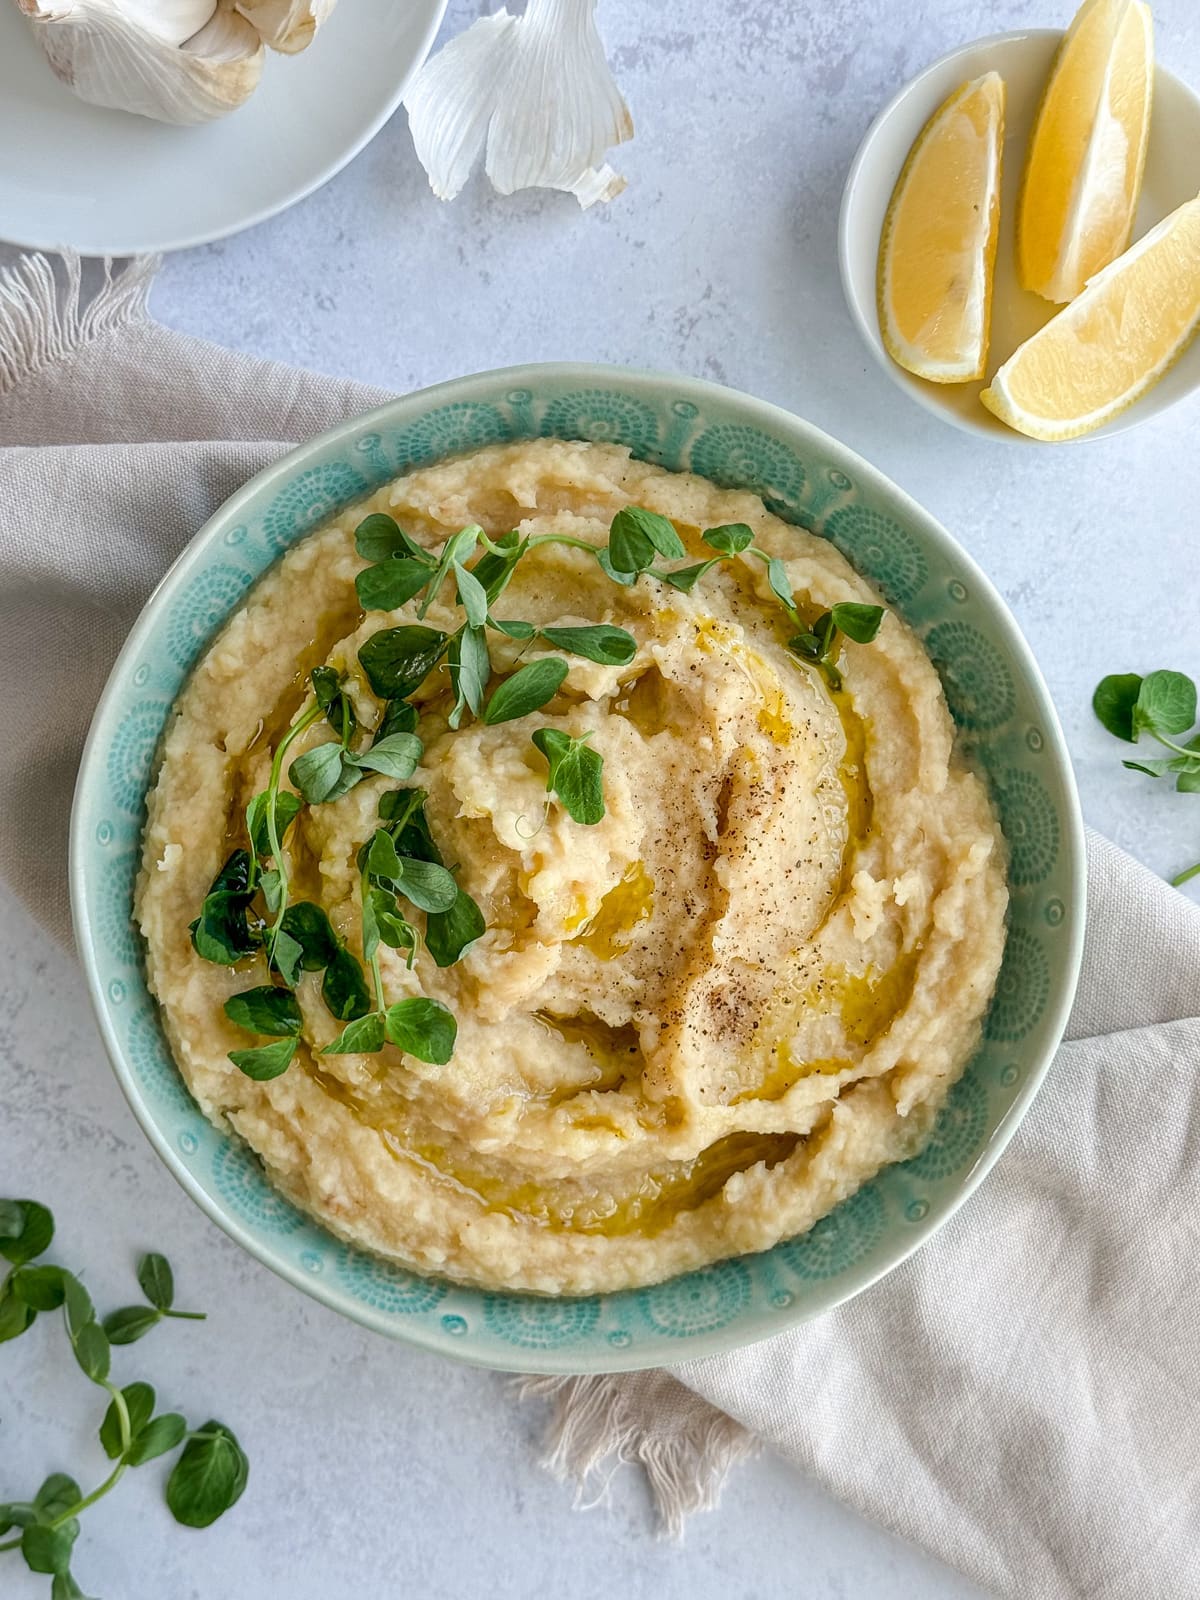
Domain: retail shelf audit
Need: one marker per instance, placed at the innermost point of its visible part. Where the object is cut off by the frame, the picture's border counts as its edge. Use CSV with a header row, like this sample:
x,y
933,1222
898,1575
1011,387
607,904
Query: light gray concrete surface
x,y
380,1471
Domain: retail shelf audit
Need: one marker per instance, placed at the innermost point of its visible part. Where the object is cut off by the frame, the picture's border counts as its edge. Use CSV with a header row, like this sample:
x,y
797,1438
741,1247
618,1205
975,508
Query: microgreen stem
x,y
97,1493
293,733
1186,876
564,538
376,974
10,1544
1179,749
118,1400
188,1316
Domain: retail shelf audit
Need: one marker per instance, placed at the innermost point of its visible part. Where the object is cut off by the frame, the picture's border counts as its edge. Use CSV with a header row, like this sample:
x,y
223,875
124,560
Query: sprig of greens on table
x,y
248,909
211,1470
1163,705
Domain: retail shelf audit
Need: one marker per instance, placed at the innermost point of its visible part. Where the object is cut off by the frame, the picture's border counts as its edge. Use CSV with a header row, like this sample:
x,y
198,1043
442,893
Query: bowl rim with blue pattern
x,y
1008,726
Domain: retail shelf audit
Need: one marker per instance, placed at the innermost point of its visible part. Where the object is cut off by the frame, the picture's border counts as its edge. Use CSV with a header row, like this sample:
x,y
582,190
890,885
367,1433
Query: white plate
x,y
108,183
1023,61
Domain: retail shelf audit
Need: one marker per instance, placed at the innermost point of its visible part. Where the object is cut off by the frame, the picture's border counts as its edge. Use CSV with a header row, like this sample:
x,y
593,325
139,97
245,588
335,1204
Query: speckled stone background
x,y
383,1472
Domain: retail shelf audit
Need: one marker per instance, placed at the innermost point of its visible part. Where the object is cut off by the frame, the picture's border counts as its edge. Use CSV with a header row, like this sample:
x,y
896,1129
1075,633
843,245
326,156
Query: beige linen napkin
x,y
1023,1396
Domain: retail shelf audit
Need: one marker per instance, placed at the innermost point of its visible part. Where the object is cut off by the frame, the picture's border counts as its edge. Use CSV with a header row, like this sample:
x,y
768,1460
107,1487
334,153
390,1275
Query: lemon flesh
x,y
938,250
1100,353
1083,166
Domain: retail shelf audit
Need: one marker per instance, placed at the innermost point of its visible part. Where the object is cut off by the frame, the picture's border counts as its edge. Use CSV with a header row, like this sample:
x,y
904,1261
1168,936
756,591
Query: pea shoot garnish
x,y
1163,705
409,899
211,1470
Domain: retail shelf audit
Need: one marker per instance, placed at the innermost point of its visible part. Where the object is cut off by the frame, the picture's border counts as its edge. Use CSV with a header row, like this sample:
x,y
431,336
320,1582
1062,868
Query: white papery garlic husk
x,y
287,25
535,91
182,61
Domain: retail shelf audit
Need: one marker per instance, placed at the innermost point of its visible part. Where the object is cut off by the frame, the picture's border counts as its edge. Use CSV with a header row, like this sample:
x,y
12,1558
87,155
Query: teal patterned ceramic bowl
x,y
995,693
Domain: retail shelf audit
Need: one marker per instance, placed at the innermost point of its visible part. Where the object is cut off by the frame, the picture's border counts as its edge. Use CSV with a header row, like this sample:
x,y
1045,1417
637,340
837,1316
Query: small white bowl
x,y
1023,61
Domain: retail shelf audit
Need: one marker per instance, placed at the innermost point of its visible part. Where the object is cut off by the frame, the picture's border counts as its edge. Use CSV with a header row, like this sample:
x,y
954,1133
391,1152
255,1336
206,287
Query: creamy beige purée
x,y
691,1029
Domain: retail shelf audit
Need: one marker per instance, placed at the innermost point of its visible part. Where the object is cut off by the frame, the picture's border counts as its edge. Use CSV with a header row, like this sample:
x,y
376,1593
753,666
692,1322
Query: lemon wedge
x,y
1099,354
1083,167
938,248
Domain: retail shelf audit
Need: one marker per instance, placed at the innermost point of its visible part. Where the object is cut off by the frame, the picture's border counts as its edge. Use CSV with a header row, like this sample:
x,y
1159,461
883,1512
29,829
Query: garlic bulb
x,y
179,61
286,25
536,91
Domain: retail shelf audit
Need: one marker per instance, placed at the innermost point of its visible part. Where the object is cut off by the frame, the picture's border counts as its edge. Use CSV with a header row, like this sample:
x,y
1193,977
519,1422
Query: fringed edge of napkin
x,y
686,1447
43,317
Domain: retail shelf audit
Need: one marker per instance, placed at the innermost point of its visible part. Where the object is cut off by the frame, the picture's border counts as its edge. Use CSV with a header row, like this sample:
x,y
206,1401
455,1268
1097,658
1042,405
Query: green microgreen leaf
x,y
29,1228
156,1438
398,660
448,933
287,809
64,1587
15,1315
394,930
404,809
618,574
139,1404
422,1028
576,773
90,1344
780,583
364,1036
128,1324
512,628
208,1478
317,772
222,933
396,756
731,538
456,550
16,1514
495,569
1152,769
428,886
470,668
156,1279
38,1286
334,702
529,688
380,537
390,584
287,956
265,1061
1113,703
58,1493
611,647
379,857
48,1549
271,886
77,1304
1166,704
472,596
398,717
635,535
308,925
344,989
267,1009
12,1219
858,622
685,579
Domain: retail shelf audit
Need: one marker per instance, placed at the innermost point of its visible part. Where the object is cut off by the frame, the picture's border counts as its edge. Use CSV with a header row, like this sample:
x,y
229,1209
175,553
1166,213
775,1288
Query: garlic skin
x,y
180,61
286,25
535,91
